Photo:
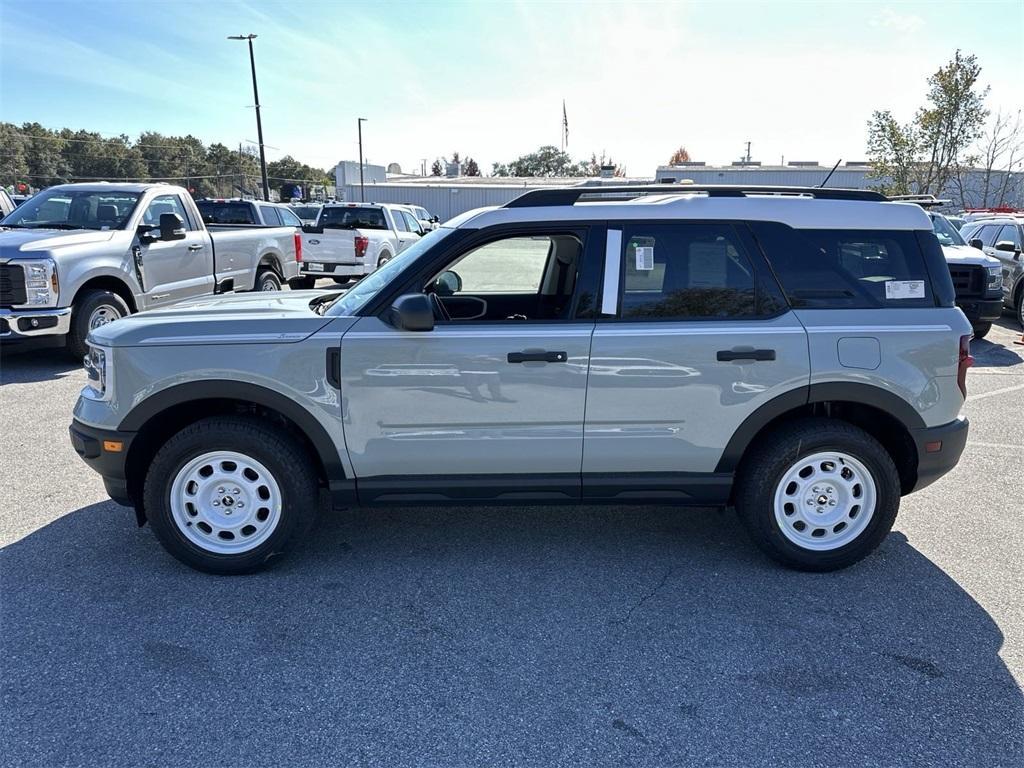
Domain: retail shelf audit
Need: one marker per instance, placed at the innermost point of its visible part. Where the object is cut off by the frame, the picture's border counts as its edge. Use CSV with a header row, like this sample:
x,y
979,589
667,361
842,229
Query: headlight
x,y
995,277
97,370
41,285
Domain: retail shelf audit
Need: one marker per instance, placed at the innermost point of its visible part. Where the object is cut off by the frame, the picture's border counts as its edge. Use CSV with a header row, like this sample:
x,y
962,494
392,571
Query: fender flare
x,y
850,392
221,389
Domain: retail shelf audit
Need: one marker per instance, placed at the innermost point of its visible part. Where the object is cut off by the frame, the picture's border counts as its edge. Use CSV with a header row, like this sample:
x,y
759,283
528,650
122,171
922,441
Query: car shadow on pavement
x,y
24,364
991,355
493,636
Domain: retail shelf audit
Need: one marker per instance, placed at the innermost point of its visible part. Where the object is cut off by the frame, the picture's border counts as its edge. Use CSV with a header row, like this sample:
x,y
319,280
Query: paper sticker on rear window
x,y
644,258
904,289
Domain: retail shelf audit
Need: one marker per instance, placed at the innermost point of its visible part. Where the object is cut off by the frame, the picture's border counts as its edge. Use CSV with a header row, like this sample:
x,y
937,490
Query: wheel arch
x,y
161,415
272,260
886,416
107,283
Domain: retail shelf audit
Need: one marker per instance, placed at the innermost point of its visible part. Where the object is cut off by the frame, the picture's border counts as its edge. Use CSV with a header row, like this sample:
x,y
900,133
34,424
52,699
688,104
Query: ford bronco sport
x,y
794,353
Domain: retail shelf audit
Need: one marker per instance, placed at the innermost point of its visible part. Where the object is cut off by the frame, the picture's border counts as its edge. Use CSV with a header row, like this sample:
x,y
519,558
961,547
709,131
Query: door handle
x,y
728,355
195,247
539,356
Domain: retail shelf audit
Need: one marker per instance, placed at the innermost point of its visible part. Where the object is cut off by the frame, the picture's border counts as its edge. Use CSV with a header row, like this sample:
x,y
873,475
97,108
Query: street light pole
x,y
259,123
362,195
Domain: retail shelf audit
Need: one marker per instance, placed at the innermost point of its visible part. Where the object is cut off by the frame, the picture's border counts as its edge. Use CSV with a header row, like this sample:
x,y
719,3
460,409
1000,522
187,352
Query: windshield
x,y
360,294
226,213
74,209
946,232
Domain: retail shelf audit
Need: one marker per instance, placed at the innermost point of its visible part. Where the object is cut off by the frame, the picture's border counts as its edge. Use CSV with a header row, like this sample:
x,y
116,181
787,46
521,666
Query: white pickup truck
x,y
77,256
350,240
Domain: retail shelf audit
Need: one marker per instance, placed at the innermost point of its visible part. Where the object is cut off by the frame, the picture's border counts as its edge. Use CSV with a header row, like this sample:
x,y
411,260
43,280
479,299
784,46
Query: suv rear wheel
x,y
818,494
227,494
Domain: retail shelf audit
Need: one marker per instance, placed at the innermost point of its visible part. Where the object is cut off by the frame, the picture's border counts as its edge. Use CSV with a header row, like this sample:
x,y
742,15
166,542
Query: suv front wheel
x,y
818,494
227,494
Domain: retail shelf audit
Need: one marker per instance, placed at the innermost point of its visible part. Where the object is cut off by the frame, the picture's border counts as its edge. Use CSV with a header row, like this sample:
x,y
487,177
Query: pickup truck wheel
x,y
91,310
384,259
302,283
818,494
267,280
1019,307
981,330
228,494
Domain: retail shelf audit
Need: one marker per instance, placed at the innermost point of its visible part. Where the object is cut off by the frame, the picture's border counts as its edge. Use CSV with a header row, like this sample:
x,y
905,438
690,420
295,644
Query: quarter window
x,y
270,215
288,218
691,271
400,223
1009,232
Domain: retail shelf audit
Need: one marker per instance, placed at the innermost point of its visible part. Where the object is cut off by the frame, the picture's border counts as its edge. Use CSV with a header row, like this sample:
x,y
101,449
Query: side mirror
x,y
312,229
1006,245
172,227
446,283
435,219
976,243
412,312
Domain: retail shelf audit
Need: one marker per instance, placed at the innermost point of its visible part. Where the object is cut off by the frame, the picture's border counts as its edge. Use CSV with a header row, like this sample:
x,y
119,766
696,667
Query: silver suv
x,y
794,353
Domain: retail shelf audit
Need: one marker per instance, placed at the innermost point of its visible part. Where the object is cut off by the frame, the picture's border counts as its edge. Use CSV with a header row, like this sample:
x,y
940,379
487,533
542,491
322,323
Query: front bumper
x,y
30,323
106,451
981,310
938,450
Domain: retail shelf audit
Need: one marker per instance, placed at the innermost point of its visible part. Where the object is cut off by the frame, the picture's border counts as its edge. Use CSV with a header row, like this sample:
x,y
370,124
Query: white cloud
x,y
903,23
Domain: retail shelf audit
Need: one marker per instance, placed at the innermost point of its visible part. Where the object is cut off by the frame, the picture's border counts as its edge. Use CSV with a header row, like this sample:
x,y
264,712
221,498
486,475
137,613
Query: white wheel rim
x,y
102,315
225,502
825,500
268,284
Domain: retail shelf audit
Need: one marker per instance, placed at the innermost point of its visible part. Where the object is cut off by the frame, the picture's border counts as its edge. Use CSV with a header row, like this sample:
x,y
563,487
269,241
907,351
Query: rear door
x,y
270,216
177,269
694,335
406,228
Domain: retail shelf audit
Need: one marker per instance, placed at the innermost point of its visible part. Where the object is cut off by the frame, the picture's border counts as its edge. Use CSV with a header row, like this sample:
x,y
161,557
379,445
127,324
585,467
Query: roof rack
x,y
571,195
925,201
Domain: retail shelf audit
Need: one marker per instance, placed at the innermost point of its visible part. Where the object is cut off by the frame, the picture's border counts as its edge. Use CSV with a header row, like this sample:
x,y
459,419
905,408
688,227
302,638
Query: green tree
x,y
470,167
679,156
547,161
893,150
437,169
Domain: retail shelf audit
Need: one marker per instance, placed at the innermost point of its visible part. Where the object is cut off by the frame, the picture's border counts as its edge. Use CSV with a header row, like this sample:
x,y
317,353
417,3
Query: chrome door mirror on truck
x,y
1008,246
976,243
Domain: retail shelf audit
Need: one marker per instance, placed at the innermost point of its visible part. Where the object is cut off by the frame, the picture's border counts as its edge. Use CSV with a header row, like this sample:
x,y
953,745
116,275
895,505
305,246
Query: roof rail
x,y
571,195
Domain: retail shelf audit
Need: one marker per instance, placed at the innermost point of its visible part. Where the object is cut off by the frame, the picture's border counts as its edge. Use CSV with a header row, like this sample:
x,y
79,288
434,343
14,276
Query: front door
x,y
489,404
176,269
693,338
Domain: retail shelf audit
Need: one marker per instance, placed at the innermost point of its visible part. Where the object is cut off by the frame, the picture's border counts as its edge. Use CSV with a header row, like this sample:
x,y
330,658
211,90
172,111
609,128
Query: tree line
x,y
38,157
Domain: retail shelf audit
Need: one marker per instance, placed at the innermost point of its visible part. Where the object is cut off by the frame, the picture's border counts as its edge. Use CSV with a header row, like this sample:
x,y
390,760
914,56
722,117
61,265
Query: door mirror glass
x,y
412,312
312,229
172,227
1006,245
446,284
976,243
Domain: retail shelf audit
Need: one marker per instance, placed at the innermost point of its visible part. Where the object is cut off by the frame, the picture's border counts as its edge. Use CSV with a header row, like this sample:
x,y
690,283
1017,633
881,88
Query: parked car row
x,y
1001,238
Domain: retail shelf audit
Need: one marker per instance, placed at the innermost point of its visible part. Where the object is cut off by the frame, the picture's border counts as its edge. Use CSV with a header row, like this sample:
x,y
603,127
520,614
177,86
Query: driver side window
x,y
525,277
165,204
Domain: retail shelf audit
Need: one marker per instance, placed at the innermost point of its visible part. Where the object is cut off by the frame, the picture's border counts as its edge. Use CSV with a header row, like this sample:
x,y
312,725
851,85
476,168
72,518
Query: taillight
x,y
298,246
362,243
966,361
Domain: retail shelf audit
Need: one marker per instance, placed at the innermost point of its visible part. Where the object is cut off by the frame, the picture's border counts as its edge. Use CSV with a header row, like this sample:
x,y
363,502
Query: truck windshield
x,y
74,209
214,212
946,232
359,295
352,218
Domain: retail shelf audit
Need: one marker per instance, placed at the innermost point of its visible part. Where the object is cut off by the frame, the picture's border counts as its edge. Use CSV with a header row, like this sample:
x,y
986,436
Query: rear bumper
x,y
938,450
30,323
981,310
329,269
96,447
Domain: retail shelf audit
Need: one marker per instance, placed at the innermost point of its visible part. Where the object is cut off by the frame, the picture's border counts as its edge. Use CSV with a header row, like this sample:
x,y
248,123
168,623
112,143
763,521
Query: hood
x,y
29,243
279,317
964,254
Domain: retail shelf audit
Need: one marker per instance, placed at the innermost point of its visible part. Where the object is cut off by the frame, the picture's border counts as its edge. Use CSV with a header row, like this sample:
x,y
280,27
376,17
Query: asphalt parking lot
x,y
511,636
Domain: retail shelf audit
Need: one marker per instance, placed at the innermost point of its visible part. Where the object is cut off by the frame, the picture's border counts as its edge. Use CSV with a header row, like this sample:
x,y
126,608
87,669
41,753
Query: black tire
x,y
302,283
763,469
285,458
1018,309
981,330
267,280
342,280
384,259
86,304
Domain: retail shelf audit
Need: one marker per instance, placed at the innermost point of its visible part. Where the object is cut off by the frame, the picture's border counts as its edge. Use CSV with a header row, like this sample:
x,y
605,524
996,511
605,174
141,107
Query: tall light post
x,y
362,195
259,124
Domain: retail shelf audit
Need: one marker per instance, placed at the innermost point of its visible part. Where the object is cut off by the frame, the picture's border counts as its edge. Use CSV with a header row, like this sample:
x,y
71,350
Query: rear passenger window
x,y
686,271
1009,234
270,216
835,268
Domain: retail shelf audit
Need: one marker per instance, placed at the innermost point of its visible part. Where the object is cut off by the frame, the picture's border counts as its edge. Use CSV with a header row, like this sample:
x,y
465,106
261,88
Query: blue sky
x,y
798,79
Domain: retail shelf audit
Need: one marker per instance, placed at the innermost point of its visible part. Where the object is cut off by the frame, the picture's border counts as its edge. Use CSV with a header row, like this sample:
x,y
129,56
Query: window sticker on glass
x,y
644,258
904,289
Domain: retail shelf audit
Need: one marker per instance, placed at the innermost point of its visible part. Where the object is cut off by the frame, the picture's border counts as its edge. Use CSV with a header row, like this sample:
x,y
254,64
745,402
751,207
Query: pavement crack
x,y
643,599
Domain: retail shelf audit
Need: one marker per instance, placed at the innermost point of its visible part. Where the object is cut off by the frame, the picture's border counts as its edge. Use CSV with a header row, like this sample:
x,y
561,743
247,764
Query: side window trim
x,y
611,286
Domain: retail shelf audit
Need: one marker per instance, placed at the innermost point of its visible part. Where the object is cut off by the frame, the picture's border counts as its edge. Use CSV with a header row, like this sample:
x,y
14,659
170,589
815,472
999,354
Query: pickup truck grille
x,y
968,280
12,285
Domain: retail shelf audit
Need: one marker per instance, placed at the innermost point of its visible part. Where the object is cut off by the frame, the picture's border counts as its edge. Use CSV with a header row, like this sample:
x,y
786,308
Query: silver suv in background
x,y
1002,238
794,353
